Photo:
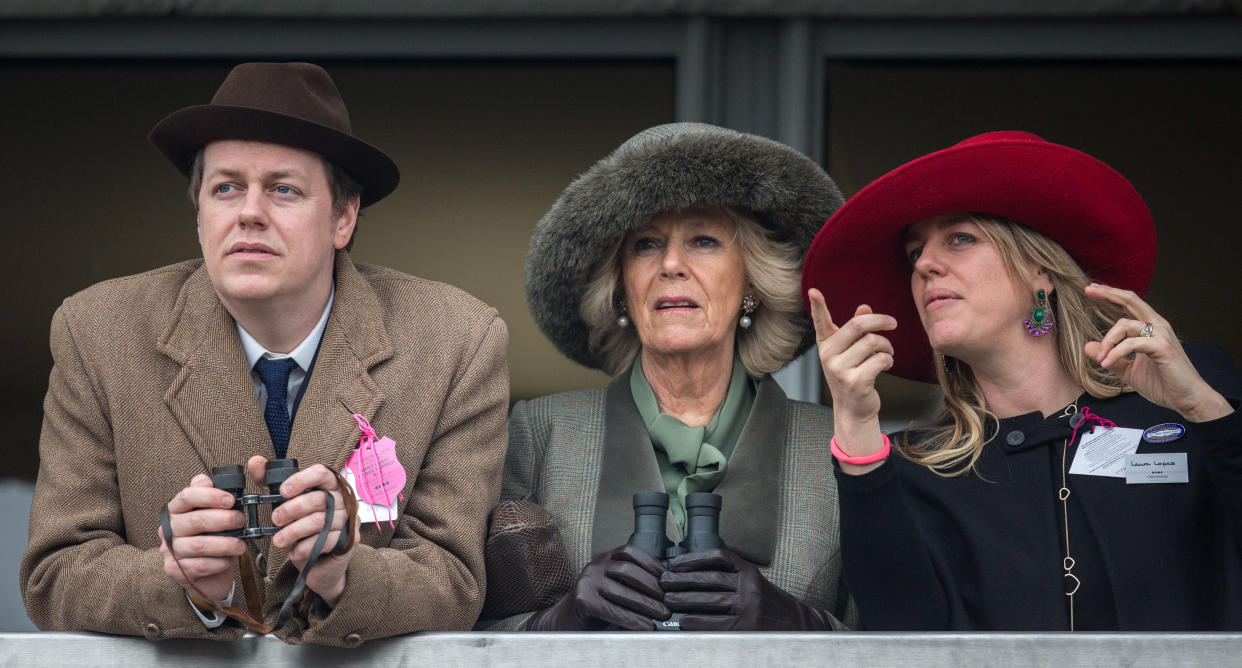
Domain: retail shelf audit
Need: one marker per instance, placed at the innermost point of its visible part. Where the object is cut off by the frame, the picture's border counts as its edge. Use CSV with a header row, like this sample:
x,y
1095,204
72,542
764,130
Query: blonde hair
x,y
954,440
773,271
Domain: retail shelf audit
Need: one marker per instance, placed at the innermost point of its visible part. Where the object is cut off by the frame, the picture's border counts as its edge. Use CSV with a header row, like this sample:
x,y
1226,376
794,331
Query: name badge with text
x,y
1164,467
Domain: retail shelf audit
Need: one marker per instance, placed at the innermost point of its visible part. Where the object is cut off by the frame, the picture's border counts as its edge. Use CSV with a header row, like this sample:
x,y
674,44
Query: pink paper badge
x,y
378,474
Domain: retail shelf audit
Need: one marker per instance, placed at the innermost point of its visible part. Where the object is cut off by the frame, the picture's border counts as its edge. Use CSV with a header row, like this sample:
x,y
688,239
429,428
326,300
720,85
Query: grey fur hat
x,y
661,169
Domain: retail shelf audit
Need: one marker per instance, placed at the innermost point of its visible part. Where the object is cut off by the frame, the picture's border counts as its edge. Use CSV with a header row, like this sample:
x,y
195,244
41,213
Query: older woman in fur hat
x,y
1086,471
673,264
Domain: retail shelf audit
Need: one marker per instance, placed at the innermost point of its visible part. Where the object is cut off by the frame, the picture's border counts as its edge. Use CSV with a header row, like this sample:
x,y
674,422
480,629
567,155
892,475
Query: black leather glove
x,y
620,587
720,591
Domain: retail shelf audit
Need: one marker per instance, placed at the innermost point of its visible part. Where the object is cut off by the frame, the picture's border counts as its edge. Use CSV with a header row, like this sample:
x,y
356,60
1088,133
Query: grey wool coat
x,y
150,387
584,454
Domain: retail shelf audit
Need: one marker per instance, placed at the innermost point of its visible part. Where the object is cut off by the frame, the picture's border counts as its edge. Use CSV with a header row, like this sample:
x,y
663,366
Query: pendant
x,y
1037,329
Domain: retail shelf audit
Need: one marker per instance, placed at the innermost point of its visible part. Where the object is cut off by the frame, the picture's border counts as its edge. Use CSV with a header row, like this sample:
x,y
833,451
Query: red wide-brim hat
x,y
1076,200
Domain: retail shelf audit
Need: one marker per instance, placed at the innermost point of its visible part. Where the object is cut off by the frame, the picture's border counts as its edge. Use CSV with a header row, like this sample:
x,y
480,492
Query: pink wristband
x,y
872,458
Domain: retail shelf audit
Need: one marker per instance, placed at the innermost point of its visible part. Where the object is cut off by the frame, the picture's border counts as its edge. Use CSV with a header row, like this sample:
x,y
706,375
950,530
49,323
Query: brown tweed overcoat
x,y
150,387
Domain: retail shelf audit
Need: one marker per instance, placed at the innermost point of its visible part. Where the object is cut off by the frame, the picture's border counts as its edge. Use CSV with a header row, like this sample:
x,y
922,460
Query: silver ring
x,y
1146,330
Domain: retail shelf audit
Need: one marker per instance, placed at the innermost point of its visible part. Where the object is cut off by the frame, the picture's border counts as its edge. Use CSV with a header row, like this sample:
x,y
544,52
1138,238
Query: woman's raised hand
x,y
1144,353
852,356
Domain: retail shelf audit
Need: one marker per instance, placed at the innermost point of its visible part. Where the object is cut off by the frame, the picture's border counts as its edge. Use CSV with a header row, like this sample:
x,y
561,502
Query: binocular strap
x,y
252,618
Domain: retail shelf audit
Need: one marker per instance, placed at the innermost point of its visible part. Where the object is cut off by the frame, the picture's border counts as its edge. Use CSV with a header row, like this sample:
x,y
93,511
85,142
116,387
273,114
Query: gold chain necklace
x,y
1064,494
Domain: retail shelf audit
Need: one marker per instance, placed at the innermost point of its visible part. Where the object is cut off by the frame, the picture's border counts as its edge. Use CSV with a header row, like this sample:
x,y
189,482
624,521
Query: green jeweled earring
x,y
1040,322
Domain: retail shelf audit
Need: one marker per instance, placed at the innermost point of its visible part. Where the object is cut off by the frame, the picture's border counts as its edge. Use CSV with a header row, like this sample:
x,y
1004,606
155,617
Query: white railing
x,y
765,650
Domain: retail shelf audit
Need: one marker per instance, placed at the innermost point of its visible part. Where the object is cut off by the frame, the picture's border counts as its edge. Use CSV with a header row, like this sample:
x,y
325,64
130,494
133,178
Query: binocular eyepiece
x,y
650,510
702,532
232,479
702,524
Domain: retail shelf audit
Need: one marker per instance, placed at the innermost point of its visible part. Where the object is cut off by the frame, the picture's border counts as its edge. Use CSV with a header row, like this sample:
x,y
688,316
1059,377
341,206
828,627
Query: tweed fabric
x,y
556,448
150,387
666,168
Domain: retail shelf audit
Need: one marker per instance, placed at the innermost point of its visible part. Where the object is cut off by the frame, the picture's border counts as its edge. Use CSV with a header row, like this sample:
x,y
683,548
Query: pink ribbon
x,y
1088,416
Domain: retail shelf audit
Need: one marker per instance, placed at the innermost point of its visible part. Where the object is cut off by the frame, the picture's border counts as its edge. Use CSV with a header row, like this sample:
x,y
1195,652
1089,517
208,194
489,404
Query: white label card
x,y
370,512
1103,451
1162,467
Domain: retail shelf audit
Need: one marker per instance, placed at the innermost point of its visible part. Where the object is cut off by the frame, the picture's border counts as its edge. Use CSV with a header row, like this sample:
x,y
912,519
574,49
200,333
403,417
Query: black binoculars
x,y
232,479
702,532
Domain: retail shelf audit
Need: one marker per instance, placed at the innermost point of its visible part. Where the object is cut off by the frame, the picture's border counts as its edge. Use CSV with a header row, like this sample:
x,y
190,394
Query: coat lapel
x,y
340,384
751,489
212,397
354,341
627,465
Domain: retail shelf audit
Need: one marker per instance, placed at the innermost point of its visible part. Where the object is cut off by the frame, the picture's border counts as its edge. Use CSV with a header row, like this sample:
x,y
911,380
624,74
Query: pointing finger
x,y
824,326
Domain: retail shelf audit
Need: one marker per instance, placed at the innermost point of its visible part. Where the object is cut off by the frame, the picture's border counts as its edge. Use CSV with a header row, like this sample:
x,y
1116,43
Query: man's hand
x,y
301,519
208,561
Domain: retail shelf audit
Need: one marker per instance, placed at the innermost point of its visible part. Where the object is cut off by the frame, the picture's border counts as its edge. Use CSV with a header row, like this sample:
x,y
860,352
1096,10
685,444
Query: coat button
x,y
1015,438
353,640
152,631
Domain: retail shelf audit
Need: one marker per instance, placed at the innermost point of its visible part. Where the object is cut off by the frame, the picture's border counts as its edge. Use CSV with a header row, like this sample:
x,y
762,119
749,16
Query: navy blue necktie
x,y
275,376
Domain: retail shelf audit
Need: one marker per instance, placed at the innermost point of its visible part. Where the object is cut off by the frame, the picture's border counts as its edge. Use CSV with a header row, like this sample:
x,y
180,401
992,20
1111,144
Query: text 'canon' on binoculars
x,y
232,479
702,532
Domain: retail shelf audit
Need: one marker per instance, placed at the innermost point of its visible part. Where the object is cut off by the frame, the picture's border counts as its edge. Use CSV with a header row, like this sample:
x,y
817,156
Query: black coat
x,y
984,551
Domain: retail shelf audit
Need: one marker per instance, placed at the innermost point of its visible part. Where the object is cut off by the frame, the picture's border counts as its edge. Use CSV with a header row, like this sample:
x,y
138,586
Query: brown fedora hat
x,y
293,104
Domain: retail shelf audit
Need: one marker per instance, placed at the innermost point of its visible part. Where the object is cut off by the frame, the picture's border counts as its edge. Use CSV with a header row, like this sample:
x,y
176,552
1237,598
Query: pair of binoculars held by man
x,y
232,479
650,523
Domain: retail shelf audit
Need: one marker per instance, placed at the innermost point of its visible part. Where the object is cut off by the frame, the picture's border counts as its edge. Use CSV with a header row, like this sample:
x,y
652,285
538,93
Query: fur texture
x,y
665,168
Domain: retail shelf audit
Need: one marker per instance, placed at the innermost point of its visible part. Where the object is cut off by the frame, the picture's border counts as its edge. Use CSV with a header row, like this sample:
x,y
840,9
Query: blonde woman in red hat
x,y
1086,470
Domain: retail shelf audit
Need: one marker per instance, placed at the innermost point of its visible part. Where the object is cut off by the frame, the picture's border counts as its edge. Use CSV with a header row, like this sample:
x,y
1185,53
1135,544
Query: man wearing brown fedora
x,y
274,345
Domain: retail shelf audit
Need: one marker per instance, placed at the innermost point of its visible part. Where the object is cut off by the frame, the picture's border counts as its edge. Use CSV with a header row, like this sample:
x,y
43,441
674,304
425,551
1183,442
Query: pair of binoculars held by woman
x,y
650,523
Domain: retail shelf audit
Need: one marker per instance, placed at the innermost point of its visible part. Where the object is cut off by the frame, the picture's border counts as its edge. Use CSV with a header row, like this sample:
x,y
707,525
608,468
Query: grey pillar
x,y
760,76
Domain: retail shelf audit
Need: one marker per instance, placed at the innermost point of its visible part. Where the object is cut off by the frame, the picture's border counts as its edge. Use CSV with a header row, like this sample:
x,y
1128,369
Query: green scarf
x,y
693,459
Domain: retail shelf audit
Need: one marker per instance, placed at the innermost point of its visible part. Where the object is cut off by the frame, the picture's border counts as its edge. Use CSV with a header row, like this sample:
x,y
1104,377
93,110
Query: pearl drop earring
x,y
748,305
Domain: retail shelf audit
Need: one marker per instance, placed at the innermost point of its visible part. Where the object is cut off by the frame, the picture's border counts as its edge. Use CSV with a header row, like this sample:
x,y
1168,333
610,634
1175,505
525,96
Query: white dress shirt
x,y
303,354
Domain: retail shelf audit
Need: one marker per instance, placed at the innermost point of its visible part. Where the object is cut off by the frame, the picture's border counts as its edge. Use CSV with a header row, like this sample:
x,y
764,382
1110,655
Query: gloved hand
x,y
720,591
620,587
